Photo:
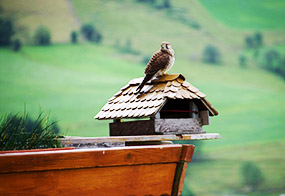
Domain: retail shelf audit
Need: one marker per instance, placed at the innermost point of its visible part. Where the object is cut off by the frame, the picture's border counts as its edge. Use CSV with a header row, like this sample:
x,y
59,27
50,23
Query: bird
x,y
160,62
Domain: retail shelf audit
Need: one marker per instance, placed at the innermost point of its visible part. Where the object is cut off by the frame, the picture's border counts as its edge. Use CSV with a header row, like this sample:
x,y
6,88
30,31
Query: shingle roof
x,y
127,103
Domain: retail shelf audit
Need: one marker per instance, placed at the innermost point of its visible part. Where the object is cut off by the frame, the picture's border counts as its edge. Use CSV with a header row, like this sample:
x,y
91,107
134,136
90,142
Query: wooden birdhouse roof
x,y
127,103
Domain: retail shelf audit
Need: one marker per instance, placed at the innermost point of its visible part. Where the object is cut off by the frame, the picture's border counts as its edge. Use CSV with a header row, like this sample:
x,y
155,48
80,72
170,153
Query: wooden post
x,y
186,157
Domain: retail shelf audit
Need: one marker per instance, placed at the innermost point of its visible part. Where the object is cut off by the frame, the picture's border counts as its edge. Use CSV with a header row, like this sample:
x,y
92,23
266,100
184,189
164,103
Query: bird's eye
x,y
167,46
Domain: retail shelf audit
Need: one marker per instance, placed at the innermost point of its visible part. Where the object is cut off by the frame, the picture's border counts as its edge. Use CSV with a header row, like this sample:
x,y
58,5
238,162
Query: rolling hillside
x,y
73,81
254,14
57,15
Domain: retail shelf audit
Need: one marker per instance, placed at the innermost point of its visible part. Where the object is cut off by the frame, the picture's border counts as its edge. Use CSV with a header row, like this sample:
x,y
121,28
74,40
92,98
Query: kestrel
x,y
160,62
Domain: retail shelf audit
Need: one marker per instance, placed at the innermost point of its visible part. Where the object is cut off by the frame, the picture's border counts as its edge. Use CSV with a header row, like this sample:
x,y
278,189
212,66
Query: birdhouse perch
x,y
165,105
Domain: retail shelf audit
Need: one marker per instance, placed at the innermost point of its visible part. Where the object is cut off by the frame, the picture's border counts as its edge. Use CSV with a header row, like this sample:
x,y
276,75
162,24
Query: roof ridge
x,y
163,78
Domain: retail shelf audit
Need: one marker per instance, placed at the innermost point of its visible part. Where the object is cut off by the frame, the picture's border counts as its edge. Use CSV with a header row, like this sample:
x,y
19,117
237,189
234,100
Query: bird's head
x,y
165,46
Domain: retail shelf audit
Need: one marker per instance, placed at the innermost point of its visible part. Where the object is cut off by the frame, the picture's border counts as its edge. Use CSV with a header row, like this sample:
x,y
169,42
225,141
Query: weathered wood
x,y
141,127
178,126
75,141
148,170
204,116
194,109
148,143
157,126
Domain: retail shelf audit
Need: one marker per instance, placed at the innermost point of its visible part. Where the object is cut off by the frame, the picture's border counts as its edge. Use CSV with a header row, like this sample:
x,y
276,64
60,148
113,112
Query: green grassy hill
x,y
250,119
254,14
74,81
57,15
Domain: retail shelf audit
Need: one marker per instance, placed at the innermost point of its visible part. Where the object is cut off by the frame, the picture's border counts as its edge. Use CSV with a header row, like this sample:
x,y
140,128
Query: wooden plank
x,y
141,127
88,158
204,116
186,157
156,126
156,179
178,126
69,140
187,152
36,150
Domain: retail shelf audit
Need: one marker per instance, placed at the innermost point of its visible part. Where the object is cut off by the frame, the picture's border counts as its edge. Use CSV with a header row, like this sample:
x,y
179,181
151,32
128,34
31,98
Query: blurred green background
x,y
233,51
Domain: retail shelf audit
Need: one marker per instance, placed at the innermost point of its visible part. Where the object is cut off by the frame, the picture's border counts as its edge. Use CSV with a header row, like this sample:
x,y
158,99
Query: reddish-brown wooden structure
x,y
145,170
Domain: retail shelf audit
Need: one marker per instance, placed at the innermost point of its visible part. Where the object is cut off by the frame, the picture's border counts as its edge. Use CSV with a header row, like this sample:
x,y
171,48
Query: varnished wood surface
x,y
144,170
36,150
71,159
136,180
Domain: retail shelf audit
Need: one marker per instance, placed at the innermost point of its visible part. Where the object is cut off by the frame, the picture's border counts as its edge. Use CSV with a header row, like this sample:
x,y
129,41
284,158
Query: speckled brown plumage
x,y
160,62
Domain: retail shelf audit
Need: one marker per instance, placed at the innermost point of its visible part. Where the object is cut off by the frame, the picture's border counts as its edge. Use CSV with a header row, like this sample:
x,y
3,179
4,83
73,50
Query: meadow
x,y
254,14
74,94
73,81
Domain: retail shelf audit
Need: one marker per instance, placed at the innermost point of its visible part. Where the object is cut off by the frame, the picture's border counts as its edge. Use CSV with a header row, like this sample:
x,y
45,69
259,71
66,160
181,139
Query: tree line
x,y
42,36
267,58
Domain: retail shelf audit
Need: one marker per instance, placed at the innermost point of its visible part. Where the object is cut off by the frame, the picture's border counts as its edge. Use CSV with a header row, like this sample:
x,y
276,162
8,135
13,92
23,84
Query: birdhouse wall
x,y
140,127
204,116
157,126
178,126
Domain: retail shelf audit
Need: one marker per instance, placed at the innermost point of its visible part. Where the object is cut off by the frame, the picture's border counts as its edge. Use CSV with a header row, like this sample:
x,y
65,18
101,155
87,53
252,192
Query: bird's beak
x,y
163,46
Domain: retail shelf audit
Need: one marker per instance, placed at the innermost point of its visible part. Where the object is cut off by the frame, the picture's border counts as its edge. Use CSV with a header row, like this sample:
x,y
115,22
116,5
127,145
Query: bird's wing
x,y
158,61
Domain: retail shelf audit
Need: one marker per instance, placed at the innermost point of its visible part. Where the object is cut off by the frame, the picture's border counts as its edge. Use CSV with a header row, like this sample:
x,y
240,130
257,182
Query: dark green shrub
x,y
272,59
251,175
6,31
242,61
258,39
73,37
254,41
182,15
42,36
166,4
146,1
249,42
211,55
91,34
21,132
17,45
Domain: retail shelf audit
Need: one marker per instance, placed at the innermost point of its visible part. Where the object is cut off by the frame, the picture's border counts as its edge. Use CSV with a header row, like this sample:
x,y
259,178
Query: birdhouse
x,y
165,105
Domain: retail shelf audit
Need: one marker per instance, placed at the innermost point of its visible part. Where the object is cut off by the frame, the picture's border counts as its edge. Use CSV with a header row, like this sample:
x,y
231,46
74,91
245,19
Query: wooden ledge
x,y
91,158
69,140
147,170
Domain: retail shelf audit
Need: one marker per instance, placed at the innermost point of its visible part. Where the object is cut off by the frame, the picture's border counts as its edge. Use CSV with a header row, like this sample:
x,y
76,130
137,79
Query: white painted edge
x,y
80,140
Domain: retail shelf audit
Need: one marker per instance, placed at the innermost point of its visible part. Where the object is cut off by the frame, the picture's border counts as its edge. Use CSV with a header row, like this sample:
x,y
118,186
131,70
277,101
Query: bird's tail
x,y
146,78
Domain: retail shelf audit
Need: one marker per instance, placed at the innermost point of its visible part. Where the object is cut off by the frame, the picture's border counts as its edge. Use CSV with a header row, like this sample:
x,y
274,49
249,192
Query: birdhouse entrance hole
x,y
175,108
